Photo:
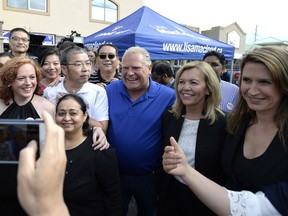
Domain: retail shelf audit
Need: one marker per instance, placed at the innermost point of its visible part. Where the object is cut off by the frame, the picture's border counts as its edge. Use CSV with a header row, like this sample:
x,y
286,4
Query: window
x,y
34,5
104,10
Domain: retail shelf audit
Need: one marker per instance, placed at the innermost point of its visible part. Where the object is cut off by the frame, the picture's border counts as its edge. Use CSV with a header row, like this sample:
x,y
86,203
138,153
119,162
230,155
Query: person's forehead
x,y
133,57
211,58
26,69
91,53
79,57
52,57
107,49
20,34
72,103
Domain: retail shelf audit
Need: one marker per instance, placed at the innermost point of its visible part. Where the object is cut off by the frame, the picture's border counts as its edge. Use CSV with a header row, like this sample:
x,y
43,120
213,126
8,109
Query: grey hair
x,y
140,50
65,55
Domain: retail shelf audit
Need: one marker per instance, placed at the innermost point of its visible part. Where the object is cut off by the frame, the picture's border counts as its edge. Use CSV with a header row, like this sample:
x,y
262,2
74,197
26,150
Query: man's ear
x,y
86,115
64,69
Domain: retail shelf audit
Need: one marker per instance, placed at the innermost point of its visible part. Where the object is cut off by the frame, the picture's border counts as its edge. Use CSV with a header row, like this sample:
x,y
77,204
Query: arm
x,y
217,198
102,124
211,194
99,108
38,193
99,139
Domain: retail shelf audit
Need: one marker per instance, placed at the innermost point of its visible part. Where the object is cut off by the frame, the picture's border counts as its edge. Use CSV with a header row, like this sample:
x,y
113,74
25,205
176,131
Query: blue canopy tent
x,y
162,37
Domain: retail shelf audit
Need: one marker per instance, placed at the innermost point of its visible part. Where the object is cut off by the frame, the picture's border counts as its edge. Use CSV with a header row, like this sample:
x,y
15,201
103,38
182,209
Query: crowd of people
x,y
178,144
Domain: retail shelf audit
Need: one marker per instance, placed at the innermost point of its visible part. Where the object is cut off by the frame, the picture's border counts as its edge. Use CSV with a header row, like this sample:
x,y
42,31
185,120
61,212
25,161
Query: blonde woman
x,y
197,123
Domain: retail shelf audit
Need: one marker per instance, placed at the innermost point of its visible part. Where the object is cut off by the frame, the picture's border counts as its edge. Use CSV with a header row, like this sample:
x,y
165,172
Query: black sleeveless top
x,y
14,111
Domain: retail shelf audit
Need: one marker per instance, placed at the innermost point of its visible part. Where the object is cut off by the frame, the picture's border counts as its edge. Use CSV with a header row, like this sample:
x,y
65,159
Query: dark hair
x,y
46,52
65,45
64,40
86,128
18,30
107,44
218,55
162,68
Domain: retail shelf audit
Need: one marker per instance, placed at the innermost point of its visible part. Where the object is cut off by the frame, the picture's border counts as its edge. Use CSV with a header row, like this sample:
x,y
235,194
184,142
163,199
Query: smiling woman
x,y
20,93
92,183
19,99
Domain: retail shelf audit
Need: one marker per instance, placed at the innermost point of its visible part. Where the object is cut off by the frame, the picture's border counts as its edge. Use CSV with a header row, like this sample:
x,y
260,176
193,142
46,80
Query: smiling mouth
x,y
255,98
132,79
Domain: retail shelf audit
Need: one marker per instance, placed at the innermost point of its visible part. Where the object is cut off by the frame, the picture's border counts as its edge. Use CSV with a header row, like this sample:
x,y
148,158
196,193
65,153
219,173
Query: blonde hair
x,y
212,101
142,51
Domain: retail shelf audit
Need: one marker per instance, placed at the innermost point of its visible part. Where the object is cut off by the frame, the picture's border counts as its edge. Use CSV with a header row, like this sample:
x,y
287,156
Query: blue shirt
x,y
229,95
135,127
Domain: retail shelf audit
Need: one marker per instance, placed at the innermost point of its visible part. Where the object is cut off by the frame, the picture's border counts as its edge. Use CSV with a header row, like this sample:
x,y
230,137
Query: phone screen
x,y
15,135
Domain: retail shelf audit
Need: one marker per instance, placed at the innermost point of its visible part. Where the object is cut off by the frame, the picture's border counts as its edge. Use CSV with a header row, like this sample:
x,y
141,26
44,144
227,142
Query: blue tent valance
x,y
162,37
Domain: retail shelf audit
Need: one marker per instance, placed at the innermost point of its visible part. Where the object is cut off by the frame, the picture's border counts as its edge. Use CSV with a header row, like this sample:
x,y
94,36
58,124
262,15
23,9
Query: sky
x,y
256,18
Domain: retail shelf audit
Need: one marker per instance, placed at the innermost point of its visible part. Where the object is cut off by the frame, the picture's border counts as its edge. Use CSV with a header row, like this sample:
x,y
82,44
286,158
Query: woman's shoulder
x,y
41,100
3,107
88,143
41,104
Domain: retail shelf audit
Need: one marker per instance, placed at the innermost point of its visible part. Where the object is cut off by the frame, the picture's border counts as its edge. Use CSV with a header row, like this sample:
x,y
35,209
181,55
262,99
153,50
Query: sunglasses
x,y
110,56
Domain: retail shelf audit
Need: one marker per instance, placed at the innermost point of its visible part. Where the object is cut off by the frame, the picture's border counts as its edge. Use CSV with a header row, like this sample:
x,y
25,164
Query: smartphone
x,y
16,134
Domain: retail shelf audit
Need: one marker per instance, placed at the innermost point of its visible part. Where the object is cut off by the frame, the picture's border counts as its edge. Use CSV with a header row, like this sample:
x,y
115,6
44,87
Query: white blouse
x,y
187,141
246,203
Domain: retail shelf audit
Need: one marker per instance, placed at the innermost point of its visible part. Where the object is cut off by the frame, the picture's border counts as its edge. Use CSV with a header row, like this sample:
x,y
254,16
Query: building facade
x,y
57,19
231,34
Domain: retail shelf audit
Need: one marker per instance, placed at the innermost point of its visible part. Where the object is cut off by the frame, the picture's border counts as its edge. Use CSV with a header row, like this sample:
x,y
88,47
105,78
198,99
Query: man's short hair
x,y
218,55
18,29
108,44
162,68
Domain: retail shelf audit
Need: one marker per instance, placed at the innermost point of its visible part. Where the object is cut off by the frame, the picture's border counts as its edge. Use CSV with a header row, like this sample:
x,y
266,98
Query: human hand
x,y
114,79
59,95
99,139
101,84
174,160
40,183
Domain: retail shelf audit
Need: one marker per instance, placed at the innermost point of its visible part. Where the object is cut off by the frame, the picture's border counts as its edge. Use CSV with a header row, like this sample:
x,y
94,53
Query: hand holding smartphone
x,y
16,134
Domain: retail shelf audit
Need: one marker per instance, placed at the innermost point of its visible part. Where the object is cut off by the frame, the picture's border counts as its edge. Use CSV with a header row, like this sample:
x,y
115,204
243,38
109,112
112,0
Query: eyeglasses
x,y
17,39
79,65
110,56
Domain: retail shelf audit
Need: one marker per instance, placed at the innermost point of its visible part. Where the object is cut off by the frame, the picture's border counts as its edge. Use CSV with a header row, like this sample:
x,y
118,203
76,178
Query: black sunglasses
x,y
110,56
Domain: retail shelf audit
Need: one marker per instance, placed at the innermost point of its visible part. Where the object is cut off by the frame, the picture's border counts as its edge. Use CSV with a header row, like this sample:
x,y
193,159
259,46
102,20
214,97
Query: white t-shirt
x,y
93,95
